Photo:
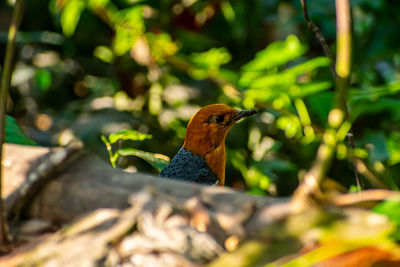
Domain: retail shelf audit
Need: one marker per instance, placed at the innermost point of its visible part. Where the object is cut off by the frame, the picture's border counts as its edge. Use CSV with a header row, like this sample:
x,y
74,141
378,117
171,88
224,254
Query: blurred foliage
x,y
321,236
339,232
14,134
130,74
92,68
390,208
158,161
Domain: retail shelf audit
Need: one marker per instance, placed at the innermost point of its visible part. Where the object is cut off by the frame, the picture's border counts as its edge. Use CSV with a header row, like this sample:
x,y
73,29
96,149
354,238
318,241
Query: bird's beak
x,y
244,113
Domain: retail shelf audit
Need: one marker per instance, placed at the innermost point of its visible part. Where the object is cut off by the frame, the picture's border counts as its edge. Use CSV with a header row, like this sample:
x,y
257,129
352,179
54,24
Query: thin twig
x,y
320,37
5,86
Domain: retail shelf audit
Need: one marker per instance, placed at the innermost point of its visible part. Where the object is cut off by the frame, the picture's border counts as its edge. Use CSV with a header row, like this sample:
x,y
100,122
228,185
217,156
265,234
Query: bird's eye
x,y
219,118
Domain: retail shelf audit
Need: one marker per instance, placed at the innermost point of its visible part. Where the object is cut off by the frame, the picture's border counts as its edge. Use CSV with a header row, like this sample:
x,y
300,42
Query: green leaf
x,y
70,16
312,88
265,82
111,155
14,134
308,66
393,146
94,4
211,59
104,53
291,125
129,25
161,46
273,80
391,208
228,11
158,161
128,135
276,54
255,177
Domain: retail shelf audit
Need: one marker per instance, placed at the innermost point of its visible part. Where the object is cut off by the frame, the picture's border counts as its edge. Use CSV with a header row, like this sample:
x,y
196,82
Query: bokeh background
x,y
90,68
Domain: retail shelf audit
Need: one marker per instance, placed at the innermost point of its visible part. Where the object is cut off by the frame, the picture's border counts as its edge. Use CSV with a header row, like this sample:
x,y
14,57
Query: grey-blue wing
x,y
187,166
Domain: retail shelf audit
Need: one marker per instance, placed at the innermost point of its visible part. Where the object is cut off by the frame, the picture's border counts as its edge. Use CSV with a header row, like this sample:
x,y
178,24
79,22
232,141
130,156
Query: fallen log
x,y
60,185
112,218
83,182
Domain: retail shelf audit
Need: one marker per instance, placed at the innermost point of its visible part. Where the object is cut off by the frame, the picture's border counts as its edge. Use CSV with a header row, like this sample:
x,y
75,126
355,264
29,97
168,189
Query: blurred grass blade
x,y
128,135
158,161
14,134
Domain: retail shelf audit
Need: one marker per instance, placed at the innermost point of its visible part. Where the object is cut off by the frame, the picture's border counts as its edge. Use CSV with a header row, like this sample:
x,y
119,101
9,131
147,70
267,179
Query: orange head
x,y
206,132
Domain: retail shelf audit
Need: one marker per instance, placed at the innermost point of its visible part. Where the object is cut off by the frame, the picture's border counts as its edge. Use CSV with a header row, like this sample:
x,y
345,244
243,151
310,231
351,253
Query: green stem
x,y
109,149
5,87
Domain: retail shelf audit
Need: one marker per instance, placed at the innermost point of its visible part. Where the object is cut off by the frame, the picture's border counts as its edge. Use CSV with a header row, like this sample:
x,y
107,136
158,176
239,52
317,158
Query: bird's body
x,y
189,167
202,157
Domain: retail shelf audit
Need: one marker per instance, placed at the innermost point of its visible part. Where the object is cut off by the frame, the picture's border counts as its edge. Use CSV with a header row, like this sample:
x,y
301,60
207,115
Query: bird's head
x,y
208,128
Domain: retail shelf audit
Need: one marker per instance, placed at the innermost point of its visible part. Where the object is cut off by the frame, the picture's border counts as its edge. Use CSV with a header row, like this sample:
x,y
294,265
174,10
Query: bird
x,y
202,157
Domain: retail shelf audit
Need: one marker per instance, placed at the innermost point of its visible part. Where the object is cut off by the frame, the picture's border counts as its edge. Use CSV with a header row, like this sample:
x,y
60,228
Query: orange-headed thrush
x,y
202,156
